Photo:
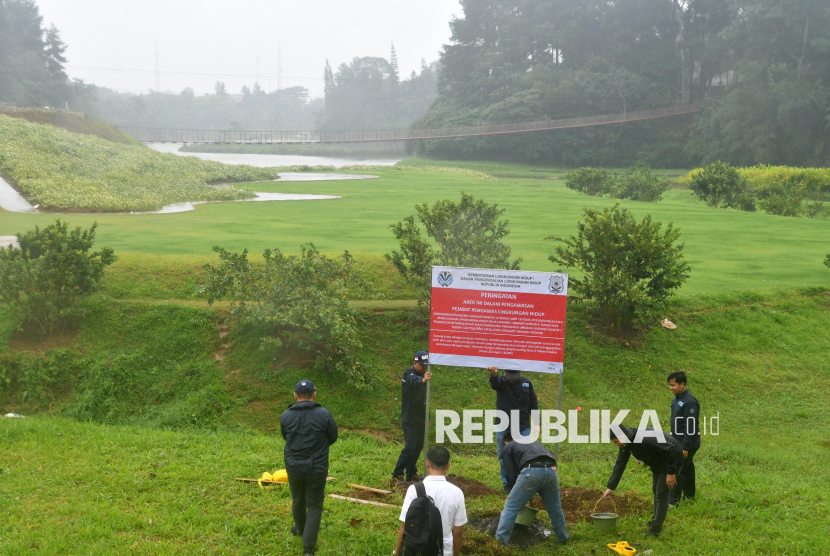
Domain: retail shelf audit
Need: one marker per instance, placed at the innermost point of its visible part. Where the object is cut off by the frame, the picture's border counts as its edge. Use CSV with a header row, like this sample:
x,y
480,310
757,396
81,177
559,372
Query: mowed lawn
x,y
727,249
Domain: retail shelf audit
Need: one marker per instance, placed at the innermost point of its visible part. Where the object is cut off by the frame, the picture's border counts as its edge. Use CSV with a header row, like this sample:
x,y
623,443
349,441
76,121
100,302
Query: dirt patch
x,y
28,340
523,537
578,504
471,488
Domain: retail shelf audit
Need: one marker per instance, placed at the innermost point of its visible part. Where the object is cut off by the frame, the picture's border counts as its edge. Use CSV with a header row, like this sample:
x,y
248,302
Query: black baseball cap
x,y
512,374
421,357
304,387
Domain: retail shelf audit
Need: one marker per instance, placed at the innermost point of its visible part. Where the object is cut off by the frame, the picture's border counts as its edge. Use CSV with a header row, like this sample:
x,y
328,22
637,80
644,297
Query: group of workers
x,y
527,468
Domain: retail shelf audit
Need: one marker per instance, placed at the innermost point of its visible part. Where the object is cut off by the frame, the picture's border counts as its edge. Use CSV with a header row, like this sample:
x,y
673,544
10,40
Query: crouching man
x,y
664,458
530,469
309,430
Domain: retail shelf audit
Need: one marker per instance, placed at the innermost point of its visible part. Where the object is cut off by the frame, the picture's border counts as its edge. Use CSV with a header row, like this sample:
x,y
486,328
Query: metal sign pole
x,y
426,422
559,407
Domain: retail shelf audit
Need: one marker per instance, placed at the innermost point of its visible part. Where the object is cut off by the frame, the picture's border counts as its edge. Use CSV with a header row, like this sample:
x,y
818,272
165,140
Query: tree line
x,y
760,70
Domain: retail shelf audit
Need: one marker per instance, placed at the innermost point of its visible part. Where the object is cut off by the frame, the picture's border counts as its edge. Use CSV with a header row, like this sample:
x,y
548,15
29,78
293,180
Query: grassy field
x,y
141,416
70,487
728,250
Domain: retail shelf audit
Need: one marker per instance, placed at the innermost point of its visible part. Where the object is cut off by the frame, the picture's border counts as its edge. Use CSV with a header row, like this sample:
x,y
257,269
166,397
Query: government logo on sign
x,y
557,284
445,279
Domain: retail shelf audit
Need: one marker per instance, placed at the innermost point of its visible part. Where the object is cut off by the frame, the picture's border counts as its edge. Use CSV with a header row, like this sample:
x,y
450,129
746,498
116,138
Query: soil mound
x,y
578,504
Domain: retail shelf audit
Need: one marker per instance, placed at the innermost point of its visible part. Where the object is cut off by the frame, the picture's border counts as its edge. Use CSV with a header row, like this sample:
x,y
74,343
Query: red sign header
x,y
510,319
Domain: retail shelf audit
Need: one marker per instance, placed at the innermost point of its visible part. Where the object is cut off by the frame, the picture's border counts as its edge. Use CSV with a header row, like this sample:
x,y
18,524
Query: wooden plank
x,y
348,499
370,489
271,482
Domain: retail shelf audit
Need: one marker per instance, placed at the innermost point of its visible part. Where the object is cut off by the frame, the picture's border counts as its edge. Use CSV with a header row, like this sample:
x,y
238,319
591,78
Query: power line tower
x,y
158,70
279,66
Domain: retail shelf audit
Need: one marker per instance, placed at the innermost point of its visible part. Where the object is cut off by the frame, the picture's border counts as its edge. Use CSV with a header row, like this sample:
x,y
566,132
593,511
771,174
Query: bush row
x,y
778,190
638,184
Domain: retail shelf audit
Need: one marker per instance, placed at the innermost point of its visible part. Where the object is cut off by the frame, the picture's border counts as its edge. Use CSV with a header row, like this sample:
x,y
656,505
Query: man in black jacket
x,y
513,392
530,469
413,420
309,430
685,411
663,458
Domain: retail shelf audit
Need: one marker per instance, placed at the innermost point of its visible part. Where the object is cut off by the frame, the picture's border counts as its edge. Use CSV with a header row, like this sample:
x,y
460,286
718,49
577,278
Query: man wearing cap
x,y
309,430
513,392
413,400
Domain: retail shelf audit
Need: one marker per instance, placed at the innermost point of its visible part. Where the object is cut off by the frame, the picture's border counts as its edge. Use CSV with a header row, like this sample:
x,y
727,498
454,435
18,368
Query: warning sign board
x,y
509,319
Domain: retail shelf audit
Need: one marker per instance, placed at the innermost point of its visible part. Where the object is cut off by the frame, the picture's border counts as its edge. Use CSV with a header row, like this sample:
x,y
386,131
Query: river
x,y
269,160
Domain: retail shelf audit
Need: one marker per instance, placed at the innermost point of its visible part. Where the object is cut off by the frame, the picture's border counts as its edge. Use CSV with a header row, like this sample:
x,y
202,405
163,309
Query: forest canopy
x,y
760,69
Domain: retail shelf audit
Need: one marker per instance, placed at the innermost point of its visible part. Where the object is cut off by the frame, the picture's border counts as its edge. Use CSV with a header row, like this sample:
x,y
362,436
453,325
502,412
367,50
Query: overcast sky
x,y
112,42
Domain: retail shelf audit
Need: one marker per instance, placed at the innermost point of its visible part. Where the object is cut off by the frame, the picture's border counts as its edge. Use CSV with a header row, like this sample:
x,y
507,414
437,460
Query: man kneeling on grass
x,y
530,468
448,499
309,430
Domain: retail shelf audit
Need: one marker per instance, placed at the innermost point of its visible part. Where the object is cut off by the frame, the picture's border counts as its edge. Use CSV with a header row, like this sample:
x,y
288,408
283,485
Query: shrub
x,y
465,234
641,184
827,261
721,185
784,198
628,268
638,184
298,305
43,280
591,181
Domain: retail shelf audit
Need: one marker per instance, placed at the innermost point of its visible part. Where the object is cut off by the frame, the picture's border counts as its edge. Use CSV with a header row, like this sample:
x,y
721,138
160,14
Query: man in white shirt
x,y
447,497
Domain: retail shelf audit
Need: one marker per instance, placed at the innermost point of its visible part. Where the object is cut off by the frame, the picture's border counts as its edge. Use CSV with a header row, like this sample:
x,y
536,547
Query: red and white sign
x,y
511,319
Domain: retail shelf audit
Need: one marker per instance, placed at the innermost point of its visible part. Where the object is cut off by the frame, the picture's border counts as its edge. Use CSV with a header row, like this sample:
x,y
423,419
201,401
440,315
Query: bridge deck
x,y
156,135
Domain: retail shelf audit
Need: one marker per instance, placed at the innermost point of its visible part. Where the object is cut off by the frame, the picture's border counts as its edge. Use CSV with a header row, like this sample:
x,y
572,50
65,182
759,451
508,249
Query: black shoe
x,y
308,550
505,490
650,533
295,531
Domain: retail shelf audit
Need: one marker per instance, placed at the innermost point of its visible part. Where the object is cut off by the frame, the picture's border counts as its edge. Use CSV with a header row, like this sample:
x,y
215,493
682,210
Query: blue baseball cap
x,y
305,386
421,357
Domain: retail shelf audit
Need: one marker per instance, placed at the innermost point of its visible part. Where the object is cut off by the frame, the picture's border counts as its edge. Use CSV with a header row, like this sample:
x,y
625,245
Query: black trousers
x,y
661,501
413,435
685,480
307,493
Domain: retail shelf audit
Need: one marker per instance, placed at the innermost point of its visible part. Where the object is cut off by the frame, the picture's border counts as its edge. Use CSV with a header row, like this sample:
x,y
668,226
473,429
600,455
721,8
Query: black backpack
x,y
423,533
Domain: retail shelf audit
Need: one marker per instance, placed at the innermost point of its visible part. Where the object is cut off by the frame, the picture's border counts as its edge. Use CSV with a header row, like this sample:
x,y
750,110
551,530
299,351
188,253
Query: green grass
x,y
757,360
728,250
58,169
752,336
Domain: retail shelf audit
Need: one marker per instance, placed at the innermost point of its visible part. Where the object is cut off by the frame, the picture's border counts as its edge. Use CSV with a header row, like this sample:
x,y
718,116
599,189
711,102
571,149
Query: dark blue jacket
x,y
685,411
413,397
309,430
517,395
661,457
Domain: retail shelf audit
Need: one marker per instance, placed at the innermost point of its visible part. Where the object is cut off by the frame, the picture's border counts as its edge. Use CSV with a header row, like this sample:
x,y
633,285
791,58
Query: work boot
x,y
308,550
399,481
414,478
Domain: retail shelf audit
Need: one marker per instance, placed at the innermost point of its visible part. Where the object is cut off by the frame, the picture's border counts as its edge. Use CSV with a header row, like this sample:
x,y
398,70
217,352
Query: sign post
x,y
426,423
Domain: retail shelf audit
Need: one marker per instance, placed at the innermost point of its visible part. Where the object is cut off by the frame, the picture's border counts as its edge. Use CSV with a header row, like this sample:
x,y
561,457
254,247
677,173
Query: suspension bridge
x,y
158,135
